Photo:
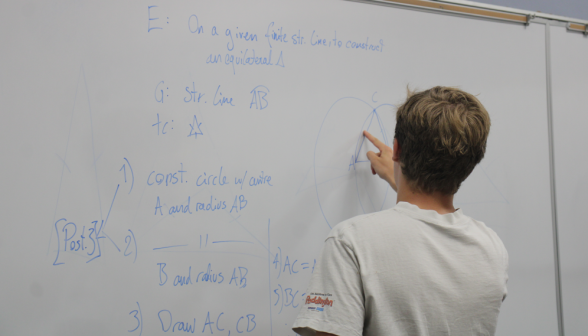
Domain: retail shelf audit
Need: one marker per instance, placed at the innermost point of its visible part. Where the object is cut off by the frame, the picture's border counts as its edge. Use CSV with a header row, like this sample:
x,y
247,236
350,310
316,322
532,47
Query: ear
x,y
397,150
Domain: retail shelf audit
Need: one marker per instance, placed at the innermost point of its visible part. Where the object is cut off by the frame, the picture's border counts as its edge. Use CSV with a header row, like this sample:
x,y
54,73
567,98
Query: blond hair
x,y
442,133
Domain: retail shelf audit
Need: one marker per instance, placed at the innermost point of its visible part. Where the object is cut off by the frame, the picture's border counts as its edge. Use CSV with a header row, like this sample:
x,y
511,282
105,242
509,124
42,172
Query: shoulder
x,y
493,238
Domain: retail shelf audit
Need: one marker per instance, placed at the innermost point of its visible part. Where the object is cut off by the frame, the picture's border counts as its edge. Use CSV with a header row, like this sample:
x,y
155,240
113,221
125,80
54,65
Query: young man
x,y
421,267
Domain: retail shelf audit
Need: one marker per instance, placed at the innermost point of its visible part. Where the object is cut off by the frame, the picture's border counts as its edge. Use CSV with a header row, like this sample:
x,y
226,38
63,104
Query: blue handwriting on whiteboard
x,y
159,94
193,25
245,36
289,267
258,98
212,179
167,179
195,128
149,28
161,126
287,297
72,239
275,35
195,96
245,323
247,57
240,202
220,100
238,278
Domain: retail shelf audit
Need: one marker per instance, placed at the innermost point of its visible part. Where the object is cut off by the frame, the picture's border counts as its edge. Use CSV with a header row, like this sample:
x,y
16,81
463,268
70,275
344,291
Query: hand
x,y
382,163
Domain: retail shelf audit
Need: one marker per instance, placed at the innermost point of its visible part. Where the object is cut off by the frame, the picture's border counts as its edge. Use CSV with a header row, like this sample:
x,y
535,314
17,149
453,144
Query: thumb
x,y
372,156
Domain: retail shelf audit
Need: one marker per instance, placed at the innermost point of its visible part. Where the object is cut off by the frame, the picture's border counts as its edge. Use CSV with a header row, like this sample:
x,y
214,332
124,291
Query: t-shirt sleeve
x,y
334,301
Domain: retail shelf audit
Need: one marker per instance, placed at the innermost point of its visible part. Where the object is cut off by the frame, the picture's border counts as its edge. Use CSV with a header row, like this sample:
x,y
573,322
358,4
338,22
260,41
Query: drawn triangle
x,y
373,124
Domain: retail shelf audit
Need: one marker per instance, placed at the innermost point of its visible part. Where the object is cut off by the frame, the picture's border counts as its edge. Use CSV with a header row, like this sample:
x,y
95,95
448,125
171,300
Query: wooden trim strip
x,y
465,10
578,27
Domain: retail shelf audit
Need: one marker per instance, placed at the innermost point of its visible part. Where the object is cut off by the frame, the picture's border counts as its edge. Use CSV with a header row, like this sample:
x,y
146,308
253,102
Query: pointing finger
x,y
379,144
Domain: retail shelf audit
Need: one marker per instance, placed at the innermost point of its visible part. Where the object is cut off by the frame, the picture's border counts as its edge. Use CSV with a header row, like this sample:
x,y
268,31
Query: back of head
x,y
442,134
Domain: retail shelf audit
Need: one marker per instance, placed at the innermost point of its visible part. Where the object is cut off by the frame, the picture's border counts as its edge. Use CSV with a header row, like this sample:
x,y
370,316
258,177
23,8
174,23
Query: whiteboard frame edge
x,y
552,182
514,11
537,17
441,11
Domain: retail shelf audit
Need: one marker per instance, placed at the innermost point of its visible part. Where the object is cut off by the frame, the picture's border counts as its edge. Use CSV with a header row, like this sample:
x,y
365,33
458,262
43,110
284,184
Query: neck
x,y
439,202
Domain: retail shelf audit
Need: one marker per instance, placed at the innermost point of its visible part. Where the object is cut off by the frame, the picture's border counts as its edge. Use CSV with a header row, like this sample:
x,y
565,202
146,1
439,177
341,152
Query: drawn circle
x,y
344,182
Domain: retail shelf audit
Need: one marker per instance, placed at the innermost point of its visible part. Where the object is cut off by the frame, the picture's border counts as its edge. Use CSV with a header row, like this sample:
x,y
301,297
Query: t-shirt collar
x,y
430,216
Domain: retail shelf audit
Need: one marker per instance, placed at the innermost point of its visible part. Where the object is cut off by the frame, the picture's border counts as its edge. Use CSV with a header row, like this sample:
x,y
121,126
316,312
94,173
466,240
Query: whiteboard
x,y
568,54
174,167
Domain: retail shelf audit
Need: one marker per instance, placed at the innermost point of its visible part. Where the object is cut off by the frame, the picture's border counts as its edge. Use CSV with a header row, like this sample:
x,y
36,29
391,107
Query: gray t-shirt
x,y
407,271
